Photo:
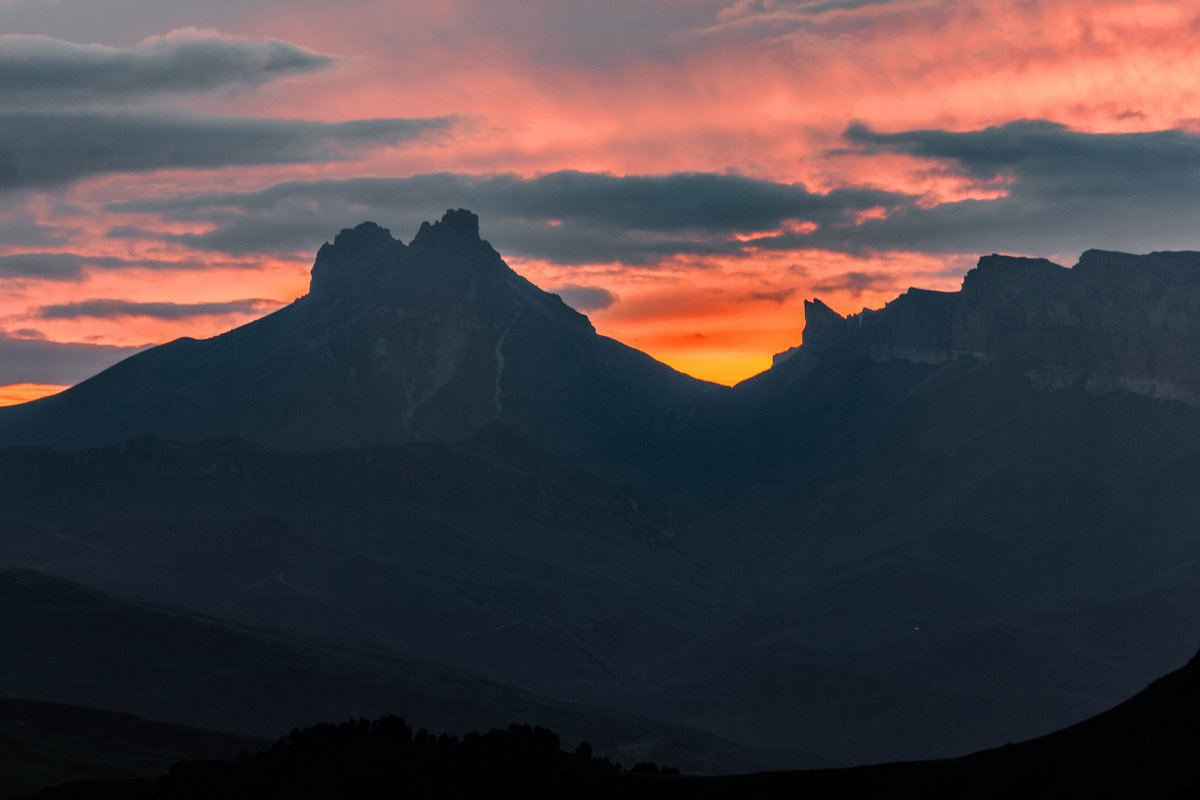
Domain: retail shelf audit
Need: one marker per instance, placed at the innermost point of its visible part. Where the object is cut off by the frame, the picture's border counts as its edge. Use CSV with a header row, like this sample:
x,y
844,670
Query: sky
x,y
685,172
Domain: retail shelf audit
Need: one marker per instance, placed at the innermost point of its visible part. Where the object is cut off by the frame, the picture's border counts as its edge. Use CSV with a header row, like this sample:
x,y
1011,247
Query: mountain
x,y
393,343
1113,322
966,518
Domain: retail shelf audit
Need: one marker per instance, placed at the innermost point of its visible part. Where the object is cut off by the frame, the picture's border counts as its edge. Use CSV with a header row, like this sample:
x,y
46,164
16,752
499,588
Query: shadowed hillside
x,y
72,645
1144,748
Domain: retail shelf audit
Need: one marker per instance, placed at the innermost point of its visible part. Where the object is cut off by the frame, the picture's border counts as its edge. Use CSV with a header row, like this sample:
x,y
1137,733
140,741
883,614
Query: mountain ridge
x,y
1113,322
393,343
867,555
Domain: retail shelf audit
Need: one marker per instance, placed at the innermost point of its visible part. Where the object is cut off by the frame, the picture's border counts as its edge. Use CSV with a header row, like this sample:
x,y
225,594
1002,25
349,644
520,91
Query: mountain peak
x,y
356,264
364,236
457,226
366,264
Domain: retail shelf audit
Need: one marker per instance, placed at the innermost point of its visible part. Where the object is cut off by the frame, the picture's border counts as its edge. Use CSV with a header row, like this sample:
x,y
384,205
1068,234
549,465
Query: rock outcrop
x,y
1113,322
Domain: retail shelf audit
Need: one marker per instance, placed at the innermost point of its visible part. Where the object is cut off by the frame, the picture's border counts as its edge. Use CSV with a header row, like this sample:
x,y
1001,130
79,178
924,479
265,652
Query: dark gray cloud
x,y
569,217
71,266
585,298
1069,191
51,266
1049,159
35,360
21,230
40,70
103,308
49,149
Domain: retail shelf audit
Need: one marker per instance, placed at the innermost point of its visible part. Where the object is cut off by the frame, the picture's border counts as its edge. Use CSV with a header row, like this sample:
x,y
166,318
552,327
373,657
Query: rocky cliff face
x,y
1113,322
394,342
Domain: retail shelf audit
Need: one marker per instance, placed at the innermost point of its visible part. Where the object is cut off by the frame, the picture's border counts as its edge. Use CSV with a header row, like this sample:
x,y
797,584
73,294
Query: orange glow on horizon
x,y
17,393
722,318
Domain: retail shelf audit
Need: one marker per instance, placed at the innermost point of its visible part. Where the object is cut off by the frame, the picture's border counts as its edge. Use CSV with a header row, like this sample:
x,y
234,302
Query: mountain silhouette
x,y
393,342
948,507
963,519
1113,322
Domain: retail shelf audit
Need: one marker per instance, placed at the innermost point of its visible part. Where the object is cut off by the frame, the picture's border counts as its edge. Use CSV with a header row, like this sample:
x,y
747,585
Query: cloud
x,y
51,266
585,298
1066,191
44,149
635,219
1051,159
110,308
1069,191
21,229
745,12
40,70
36,360
71,266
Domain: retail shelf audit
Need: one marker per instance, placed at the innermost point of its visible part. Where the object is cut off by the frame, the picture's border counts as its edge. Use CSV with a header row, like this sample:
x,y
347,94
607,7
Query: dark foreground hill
x,y
1144,748
393,342
74,646
43,744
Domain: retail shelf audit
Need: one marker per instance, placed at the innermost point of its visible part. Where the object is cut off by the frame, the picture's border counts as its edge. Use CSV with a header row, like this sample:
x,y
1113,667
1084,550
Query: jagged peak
x,y
365,235
366,263
457,226
821,323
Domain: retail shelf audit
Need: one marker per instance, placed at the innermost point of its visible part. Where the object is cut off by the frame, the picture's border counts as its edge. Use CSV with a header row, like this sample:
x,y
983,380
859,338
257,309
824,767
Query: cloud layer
x,y
568,217
51,149
42,70
110,309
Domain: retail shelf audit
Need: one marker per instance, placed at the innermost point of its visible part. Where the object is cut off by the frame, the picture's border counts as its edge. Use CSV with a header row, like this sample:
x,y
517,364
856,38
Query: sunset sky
x,y
684,172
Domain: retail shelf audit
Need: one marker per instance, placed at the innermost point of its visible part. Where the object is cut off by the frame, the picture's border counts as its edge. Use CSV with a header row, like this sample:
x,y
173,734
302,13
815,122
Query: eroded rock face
x,y
1113,322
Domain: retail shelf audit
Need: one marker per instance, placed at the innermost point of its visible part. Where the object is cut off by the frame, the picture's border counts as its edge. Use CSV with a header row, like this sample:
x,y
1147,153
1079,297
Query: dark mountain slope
x,y
488,554
43,744
393,343
951,519
66,644
1144,748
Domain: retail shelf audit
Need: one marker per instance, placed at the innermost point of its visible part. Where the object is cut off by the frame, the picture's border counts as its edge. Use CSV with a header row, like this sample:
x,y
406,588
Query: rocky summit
x,y
1114,322
393,342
